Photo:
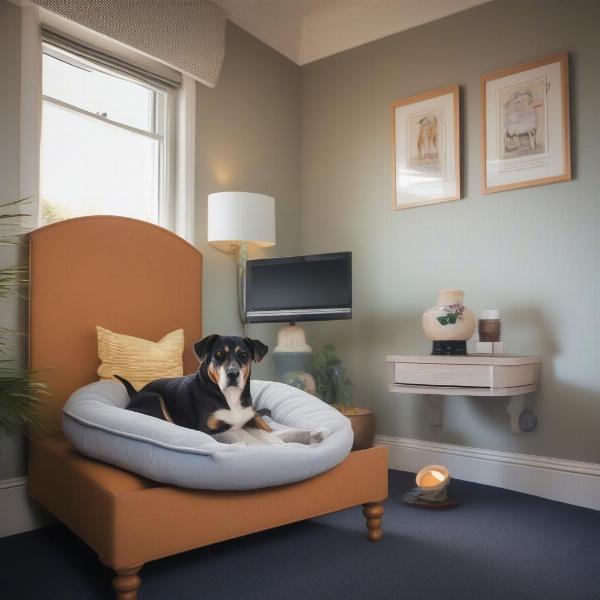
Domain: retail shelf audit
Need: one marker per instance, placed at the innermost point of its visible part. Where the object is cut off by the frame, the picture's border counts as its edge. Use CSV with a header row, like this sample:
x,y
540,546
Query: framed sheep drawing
x,y
525,125
426,148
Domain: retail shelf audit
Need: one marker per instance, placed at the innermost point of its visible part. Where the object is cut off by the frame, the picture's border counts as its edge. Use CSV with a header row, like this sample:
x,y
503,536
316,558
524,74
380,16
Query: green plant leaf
x,y
16,202
333,386
21,396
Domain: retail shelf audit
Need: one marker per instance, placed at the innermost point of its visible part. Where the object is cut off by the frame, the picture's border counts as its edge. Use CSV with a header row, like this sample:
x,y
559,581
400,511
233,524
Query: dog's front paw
x,y
294,436
318,435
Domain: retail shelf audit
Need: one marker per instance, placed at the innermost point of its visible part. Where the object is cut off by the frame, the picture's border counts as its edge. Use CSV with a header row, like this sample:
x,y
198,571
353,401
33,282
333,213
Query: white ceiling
x,y
307,30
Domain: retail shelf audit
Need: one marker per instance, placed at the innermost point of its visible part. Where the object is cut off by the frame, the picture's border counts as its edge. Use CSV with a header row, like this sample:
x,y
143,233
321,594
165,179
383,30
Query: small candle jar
x,y
433,481
489,326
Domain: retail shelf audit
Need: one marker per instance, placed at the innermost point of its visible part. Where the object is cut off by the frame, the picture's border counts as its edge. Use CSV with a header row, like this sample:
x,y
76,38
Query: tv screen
x,y
299,288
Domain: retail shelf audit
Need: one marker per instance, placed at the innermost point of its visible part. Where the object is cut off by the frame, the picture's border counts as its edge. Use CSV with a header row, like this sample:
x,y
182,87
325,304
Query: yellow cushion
x,y
137,360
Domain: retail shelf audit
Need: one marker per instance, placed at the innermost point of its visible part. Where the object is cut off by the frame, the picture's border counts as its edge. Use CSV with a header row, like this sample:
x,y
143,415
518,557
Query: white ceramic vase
x,y
449,324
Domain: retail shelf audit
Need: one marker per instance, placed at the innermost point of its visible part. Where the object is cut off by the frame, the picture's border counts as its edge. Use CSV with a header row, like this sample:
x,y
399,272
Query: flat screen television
x,y
299,288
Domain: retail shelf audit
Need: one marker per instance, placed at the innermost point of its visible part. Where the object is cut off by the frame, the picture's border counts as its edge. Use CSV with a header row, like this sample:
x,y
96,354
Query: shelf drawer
x,y
464,375
443,375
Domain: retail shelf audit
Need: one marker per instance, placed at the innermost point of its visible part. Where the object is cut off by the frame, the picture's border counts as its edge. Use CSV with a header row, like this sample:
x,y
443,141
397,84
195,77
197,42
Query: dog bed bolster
x,y
96,422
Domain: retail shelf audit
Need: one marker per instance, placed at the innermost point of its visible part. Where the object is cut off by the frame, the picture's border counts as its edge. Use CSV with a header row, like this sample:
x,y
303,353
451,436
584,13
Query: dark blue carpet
x,y
497,545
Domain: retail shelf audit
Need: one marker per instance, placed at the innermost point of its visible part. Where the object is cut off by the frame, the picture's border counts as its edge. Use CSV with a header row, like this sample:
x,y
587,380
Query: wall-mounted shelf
x,y
475,375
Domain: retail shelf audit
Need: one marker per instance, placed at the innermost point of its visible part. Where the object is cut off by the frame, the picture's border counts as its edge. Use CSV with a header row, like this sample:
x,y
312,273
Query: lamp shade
x,y
236,217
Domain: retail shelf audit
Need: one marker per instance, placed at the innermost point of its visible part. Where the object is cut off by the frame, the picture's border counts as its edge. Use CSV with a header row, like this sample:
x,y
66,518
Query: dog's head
x,y
228,359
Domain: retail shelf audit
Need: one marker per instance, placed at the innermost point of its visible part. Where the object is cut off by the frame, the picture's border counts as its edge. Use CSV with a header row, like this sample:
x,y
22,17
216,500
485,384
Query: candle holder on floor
x,y
432,489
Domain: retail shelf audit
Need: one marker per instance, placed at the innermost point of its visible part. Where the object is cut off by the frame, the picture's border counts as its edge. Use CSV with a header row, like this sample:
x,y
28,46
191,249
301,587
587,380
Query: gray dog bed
x,y
97,424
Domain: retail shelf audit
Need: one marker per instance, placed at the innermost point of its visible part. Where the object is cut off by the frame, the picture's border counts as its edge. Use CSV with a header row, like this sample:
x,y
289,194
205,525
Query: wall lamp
x,y
235,220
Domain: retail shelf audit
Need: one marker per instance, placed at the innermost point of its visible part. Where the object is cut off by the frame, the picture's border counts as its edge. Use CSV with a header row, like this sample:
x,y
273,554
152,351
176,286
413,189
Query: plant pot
x,y
363,425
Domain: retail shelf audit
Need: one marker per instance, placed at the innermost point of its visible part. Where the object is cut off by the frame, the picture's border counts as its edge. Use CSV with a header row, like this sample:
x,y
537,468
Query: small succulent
x,y
333,385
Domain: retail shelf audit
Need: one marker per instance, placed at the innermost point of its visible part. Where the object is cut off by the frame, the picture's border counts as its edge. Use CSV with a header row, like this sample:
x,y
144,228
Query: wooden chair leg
x,y
373,512
126,583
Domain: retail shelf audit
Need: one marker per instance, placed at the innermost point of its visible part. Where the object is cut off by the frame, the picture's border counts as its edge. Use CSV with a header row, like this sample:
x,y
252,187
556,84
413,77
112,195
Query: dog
x,y
216,398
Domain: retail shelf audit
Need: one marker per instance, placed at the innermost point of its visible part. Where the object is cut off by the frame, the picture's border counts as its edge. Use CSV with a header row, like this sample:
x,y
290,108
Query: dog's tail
x,y
131,391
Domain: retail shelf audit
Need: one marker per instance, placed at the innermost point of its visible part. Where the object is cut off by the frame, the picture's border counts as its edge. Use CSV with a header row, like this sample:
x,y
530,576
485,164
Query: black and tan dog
x,y
216,399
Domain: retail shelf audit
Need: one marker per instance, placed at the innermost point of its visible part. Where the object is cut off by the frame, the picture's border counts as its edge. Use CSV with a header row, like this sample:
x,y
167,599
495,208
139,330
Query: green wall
x,y
12,313
247,138
532,253
318,138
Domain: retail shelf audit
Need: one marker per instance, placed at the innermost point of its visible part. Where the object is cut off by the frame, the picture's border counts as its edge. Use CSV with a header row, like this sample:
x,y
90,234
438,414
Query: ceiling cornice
x,y
308,30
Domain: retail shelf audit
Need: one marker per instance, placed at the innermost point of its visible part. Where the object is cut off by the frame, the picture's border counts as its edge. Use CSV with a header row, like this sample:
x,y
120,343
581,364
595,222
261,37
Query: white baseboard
x,y
18,513
566,481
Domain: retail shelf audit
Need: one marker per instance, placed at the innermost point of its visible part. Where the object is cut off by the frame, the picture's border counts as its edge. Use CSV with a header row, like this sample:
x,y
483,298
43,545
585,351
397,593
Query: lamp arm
x,y
242,257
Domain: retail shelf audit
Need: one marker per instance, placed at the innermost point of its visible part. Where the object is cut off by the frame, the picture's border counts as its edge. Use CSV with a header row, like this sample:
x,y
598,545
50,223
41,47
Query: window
x,y
105,143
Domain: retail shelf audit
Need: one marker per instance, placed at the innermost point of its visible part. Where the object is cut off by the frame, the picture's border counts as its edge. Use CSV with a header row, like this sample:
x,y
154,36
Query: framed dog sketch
x,y
525,125
426,148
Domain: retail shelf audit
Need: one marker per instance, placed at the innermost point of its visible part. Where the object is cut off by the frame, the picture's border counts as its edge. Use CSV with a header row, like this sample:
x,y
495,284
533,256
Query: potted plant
x,y
20,394
335,388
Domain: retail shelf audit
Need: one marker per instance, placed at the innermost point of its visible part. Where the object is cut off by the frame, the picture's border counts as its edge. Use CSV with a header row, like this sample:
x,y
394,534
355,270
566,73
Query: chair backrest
x,y
126,275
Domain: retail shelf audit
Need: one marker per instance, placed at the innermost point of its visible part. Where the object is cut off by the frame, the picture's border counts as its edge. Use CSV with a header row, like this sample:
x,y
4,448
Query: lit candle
x,y
431,490
433,478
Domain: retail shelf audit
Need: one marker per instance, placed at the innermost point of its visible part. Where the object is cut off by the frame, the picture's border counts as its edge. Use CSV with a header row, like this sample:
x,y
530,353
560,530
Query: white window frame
x,y
162,129
180,162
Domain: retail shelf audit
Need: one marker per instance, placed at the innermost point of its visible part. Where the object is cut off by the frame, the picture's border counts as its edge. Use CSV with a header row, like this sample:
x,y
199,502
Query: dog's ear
x,y
257,349
203,347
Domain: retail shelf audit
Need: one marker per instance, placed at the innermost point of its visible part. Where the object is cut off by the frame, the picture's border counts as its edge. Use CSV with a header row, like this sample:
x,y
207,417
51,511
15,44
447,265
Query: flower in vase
x,y
451,314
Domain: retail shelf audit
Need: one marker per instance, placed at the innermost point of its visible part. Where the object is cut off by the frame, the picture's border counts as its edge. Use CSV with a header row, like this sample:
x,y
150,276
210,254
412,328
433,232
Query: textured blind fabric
x,y
105,60
188,35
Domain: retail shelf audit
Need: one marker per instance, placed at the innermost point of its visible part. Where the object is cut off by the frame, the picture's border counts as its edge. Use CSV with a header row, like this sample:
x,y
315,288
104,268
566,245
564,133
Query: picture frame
x,y
426,148
525,125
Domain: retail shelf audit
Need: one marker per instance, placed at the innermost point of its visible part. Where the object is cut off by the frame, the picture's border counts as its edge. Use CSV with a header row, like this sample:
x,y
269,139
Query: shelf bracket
x,y
514,408
435,410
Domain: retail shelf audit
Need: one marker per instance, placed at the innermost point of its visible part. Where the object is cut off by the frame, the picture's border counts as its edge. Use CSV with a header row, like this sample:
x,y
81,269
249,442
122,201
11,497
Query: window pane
x,y
90,167
98,92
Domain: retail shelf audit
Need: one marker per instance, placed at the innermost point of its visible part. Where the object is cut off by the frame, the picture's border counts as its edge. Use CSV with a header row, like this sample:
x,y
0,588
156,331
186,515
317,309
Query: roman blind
x,y
105,60
188,35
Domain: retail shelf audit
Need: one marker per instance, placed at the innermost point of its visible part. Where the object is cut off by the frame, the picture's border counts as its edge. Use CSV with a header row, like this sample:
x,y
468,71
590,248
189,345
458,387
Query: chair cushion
x,y
96,422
